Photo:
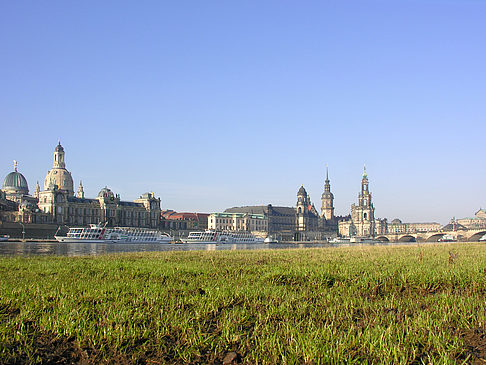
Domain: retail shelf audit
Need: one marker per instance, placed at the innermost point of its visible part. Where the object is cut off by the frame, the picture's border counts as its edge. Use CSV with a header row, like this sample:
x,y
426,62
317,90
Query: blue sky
x,y
213,104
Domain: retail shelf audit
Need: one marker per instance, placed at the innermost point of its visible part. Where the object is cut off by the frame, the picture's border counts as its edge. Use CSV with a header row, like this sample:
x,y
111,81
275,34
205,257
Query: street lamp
x,y
23,231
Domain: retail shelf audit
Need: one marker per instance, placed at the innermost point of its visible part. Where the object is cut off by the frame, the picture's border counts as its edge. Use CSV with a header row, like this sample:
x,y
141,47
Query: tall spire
x,y
37,190
364,171
80,190
327,198
327,185
15,166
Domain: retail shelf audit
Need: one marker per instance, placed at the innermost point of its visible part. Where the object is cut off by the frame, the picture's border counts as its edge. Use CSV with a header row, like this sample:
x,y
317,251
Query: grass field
x,y
376,304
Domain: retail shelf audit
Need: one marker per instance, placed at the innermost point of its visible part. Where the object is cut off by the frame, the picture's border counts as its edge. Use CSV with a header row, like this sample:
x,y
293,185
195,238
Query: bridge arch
x,y
407,238
382,239
476,236
435,237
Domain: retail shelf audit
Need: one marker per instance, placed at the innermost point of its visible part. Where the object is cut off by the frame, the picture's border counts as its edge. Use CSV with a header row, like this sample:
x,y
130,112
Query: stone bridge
x,y
471,235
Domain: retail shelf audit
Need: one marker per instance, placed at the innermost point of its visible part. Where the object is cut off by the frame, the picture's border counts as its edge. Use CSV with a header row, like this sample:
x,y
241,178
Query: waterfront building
x,y
398,227
17,205
238,222
58,200
306,215
476,222
327,198
362,222
328,222
280,220
58,205
172,220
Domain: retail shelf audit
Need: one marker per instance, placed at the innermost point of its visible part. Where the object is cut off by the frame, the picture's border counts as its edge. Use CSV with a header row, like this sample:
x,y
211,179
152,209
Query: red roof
x,y
172,215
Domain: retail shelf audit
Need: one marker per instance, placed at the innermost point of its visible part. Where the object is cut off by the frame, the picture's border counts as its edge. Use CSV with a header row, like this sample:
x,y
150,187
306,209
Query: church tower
x,y
37,191
80,191
363,214
59,157
327,210
301,209
58,177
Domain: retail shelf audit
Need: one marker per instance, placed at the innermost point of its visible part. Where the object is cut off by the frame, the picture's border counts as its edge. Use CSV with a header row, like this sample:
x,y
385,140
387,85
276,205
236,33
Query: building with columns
x,y
256,223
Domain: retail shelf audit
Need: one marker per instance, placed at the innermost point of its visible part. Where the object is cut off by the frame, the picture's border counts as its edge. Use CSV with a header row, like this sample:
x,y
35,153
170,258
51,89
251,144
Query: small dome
x,y
59,148
302,191
15,182
396,221
106,193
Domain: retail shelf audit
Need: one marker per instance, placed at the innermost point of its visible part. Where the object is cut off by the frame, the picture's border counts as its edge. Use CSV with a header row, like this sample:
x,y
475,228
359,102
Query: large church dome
x,y
59,176
15,183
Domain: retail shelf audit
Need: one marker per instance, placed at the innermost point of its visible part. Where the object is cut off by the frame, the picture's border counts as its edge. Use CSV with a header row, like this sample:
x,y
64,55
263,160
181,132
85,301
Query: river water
x,y
82,249
32,248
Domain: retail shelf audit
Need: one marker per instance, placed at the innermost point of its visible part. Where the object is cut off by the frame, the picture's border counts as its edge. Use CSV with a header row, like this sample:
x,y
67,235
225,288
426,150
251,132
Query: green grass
x,y
382,304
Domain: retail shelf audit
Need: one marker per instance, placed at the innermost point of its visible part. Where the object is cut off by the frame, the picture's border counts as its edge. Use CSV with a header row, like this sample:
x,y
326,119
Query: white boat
x,y
210,236
353,240
4,237
447,238
363,240
271,239
100,234
340,240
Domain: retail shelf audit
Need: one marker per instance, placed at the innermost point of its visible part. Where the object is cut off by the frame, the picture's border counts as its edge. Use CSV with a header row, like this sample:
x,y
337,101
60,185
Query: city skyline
x,y
219,105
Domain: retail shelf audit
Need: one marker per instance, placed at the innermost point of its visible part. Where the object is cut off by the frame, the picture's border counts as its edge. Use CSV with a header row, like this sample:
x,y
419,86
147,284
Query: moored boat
x,y
270,239
447,238
100,234
210,236
4,237
340,240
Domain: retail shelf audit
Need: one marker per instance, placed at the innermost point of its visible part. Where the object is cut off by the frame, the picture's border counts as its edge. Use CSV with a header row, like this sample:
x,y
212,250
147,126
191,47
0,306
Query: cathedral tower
x,y
327,210
363,214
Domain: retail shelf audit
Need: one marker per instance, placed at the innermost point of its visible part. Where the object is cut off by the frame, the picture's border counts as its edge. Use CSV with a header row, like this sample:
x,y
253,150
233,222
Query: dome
x,y
60,177
15,182
59,148
106,193
302,191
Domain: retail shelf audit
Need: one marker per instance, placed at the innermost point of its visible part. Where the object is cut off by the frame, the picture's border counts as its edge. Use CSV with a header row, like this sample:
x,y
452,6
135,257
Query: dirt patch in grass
x,y
48,348
475,342
8,310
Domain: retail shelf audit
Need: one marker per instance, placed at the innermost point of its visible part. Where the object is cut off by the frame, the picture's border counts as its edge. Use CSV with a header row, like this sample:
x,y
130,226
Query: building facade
x,y
398,227
362,222
57,204
238,222
172,220
306,215
476,222
280,220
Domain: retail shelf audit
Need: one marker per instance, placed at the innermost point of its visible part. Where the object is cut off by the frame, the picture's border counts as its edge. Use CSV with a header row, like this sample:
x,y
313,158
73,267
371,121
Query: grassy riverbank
x,y
407,304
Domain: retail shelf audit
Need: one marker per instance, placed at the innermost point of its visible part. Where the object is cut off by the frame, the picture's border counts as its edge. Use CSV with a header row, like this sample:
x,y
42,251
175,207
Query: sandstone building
x,y
58,205
362,222
238,222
